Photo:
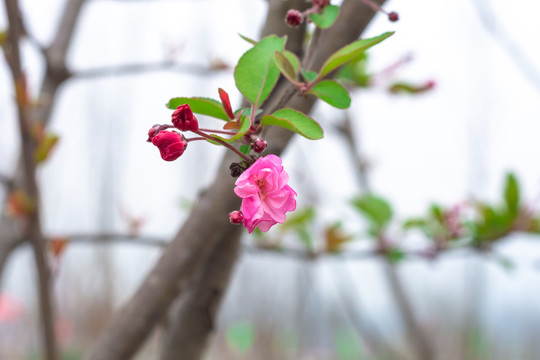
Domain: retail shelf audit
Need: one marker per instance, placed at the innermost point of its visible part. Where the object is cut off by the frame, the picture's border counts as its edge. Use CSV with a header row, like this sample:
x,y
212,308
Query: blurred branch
x,y
503,38
28,146
346,289
129,69
7,182
40,114
207,224
421,344
347,131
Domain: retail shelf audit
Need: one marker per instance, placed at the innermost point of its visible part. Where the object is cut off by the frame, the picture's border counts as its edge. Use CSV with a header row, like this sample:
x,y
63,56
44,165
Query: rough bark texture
x,y
208,223
193,314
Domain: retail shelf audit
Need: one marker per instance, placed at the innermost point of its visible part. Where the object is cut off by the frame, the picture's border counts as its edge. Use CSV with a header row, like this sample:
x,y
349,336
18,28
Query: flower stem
x,y
246,158
218,131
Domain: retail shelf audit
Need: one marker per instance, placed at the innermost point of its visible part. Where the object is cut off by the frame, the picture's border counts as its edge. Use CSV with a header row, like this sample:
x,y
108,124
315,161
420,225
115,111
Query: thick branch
x,y
206,225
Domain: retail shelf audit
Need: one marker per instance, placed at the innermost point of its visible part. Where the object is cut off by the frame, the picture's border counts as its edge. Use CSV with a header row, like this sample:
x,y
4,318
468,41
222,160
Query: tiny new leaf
x,y
295,121
46,144
511,194
310,76
200,105
326,18
256,74
285,66
246,123
226,103
333,93
293,59
350,52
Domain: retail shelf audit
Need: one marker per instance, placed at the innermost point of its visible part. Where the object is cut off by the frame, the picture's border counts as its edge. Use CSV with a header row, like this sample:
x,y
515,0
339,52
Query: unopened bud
x,y
259,145
183,119
154,130
171,145
236,217
294,17
393,16
237,169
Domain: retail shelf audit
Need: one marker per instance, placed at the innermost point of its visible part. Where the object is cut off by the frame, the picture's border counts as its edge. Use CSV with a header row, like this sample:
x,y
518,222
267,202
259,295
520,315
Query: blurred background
x,y
446,145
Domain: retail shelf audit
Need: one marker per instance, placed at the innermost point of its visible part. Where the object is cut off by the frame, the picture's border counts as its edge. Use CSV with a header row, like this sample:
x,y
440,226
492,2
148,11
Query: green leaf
x,y
310,76
249,40
333,93
285,66
511,194
326,18
376,209
256,74
240,337
244,149
402,87
200,105
295,121
293,59
349,52
44,148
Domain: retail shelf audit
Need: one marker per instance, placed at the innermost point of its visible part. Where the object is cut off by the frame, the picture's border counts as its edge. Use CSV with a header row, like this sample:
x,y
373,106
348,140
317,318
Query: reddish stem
x,y
248,159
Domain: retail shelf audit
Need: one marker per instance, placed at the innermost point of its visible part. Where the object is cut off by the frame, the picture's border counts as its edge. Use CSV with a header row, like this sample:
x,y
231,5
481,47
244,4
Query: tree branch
x,y
9,235
28,146
129,69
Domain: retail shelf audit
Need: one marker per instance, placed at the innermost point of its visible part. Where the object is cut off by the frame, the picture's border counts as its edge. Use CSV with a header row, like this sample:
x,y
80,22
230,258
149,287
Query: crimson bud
x,y
183,119
236,217
294,17
259,145
171,145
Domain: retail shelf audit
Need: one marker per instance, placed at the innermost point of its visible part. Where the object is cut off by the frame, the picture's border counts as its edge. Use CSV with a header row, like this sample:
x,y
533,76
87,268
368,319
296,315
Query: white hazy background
x,y
457,141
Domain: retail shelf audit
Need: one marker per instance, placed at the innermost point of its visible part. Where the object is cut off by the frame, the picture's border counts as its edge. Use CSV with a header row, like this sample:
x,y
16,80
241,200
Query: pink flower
x,y
266,197
170,144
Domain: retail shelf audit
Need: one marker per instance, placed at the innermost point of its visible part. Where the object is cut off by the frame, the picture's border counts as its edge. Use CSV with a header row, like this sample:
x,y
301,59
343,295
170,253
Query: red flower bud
x,y
154,130
393,16
294,17
170,144
183,119
236,217
259,145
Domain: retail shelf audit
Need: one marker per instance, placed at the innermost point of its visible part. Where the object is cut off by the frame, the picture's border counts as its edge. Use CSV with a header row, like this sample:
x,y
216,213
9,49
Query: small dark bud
x,y
393,16
236,217
294,17
237,169
259,145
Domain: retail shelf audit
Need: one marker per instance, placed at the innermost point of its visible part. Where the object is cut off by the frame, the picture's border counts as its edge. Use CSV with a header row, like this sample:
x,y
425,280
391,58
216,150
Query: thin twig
x,y
129,69
494,28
